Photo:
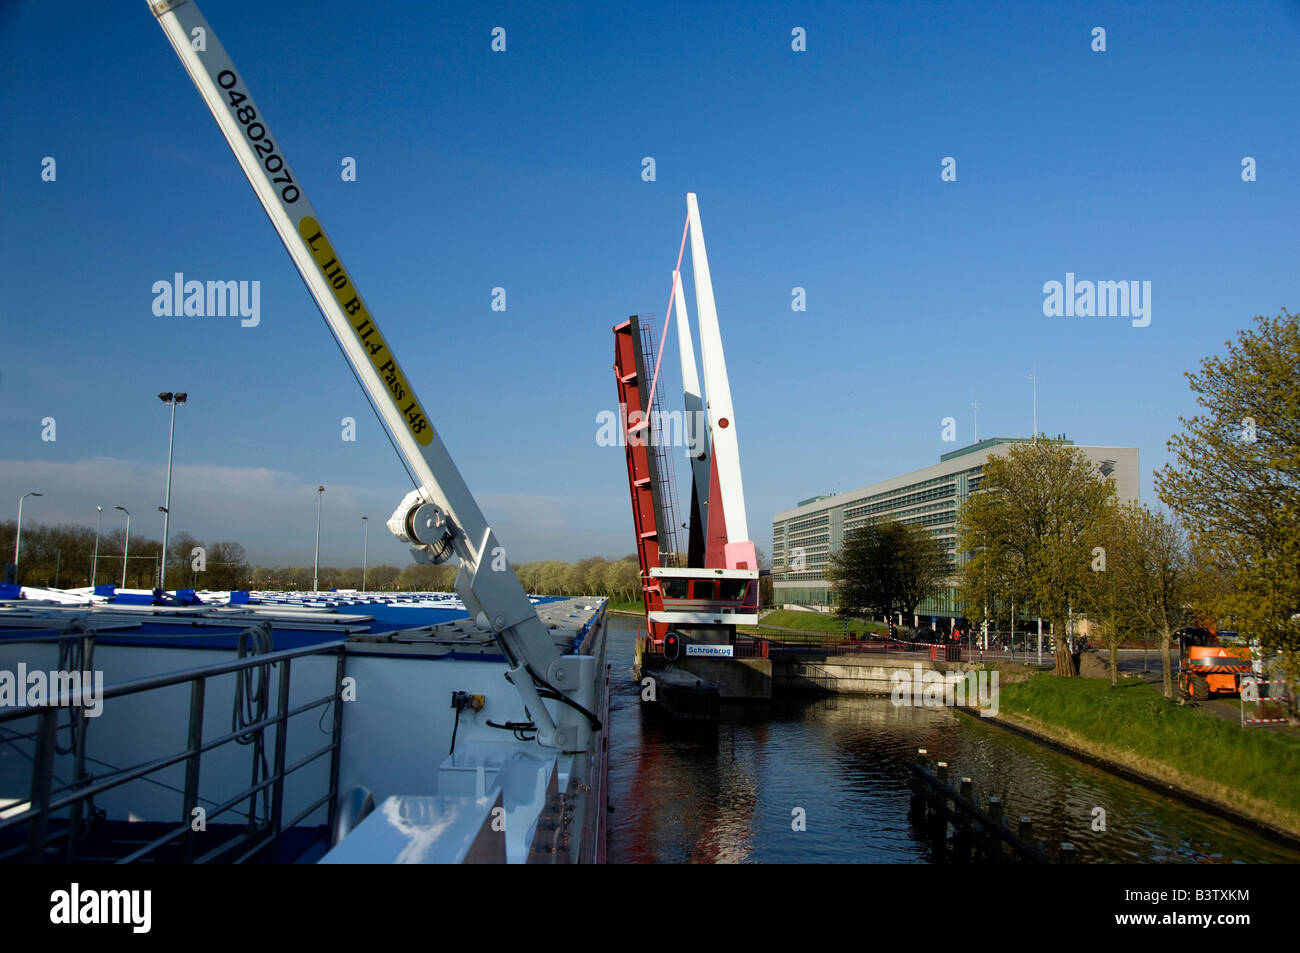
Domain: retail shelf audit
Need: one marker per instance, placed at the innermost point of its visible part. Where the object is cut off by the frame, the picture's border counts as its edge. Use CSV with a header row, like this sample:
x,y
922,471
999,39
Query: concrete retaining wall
x,y
850,675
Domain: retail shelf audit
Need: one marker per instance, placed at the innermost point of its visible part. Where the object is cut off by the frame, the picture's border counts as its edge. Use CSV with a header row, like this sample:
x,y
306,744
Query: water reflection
x,y
730,794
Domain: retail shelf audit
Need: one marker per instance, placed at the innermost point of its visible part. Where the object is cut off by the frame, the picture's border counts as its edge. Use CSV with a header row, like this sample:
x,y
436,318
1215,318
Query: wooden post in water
x,y
917,809
1067,853
977,833
994,851
938,819
961,833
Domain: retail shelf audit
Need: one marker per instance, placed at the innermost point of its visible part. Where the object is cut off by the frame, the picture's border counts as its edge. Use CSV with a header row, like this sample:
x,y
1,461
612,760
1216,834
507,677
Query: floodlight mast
x,y
441,517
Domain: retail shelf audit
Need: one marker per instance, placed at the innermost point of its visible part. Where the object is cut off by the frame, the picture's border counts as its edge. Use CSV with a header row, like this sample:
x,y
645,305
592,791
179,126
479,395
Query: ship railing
x,y
45,800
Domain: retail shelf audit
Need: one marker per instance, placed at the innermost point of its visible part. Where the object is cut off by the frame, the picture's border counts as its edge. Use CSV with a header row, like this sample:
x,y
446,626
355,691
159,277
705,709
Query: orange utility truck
x,y
1206,667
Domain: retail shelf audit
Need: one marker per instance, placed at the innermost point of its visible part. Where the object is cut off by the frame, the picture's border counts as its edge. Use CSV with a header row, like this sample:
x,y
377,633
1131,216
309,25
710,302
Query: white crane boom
x,y
441,517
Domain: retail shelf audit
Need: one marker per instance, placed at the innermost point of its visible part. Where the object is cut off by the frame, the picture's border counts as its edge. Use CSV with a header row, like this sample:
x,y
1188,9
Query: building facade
x,y
804,538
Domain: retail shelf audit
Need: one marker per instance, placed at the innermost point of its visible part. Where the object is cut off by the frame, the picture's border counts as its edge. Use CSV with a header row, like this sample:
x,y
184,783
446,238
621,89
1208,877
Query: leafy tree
x,y
1156,573
623,580
350,578
885,567
1235,481
863,573
378,578
588,577
923,566
527,573
1123,589
1032,526
553,578
419,577
991,587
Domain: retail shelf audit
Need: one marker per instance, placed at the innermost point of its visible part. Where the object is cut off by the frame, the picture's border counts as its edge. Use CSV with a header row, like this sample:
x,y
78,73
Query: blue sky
x,y
818,169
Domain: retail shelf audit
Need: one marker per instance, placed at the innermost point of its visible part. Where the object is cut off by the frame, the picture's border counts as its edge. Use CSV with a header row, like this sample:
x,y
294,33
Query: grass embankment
x,y
1248,770
818,622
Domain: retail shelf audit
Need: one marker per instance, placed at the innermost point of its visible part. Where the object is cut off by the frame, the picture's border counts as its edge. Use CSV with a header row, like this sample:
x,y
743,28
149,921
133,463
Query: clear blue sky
x,y
522,169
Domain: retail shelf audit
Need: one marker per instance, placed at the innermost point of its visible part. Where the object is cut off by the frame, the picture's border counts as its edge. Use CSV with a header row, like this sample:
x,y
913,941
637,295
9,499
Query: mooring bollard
x,y
1067,852
1026,832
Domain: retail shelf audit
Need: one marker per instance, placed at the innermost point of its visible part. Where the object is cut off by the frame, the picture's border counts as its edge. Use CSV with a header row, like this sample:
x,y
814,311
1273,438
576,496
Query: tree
x,y
378,578
1032,526
180,561
421,577
553,578
994,584
886,567
527,574
587,577
227,567
1235,481
1157,573
863,572
766,591
623,580
923,566
1139,582
350,578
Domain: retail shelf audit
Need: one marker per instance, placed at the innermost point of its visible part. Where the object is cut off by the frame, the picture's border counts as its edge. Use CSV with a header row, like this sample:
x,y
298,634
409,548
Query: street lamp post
x,y
18,534
126,541
161,563
315,575
167,397
94,562
365,546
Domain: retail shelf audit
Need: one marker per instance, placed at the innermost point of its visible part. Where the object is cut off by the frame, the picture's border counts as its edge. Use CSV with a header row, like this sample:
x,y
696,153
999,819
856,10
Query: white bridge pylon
x,y
694,399
723,443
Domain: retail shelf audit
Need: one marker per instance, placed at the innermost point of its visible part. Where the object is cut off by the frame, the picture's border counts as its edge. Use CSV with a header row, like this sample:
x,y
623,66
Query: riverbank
x,y
779,623
1245,774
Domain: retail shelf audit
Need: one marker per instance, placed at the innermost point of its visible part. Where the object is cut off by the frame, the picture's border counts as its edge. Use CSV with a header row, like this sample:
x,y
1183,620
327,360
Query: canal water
x,y
736,792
